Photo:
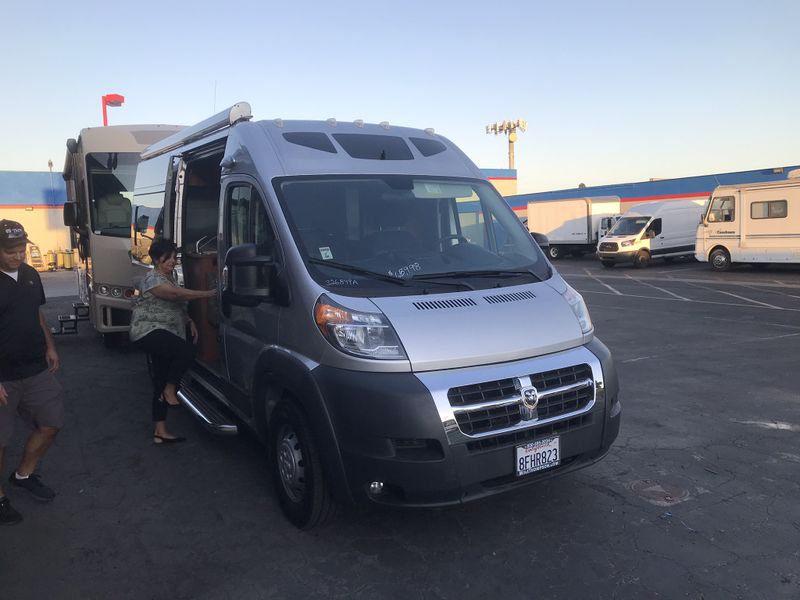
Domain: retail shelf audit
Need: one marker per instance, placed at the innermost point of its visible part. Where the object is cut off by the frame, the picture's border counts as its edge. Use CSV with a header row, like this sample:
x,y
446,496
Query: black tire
x,y
642,259
608,264
303,493
719,259
554,252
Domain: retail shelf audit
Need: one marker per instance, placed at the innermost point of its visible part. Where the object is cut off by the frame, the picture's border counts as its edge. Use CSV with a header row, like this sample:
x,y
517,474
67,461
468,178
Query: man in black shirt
x,y
28,359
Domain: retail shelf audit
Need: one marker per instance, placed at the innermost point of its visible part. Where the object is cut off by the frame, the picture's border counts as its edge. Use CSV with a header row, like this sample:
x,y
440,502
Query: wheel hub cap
x,y
291,465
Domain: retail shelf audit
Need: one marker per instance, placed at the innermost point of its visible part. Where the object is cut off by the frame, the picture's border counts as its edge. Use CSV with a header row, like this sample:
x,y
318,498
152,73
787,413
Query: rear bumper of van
x,y
396,449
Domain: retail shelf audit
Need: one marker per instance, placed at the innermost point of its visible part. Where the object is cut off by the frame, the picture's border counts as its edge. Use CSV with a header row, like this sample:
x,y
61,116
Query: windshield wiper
x,y
488,273
379,276
358,270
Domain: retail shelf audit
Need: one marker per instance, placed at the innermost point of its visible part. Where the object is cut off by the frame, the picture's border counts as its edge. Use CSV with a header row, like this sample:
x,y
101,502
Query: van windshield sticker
x,y
347,282
406,271
325,253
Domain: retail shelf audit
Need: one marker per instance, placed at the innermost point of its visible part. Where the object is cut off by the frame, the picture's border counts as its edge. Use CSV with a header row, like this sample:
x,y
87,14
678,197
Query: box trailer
x,y
757,223
573,225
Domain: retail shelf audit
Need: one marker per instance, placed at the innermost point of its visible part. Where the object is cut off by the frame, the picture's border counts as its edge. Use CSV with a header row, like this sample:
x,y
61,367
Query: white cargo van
x,y
665,229
572,225
757,223
384,323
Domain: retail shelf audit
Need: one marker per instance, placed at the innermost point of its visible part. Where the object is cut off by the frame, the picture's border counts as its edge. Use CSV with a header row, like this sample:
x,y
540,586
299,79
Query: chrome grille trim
x,y
515,399
439,383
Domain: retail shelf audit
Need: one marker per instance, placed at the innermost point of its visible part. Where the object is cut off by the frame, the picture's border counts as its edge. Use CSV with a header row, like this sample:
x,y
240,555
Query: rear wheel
x,y
642,259
555,252
303,493
608,264
720,259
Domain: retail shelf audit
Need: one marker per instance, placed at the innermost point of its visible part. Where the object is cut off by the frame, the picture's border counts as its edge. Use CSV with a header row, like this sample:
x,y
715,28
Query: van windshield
x,y
629,226
375,231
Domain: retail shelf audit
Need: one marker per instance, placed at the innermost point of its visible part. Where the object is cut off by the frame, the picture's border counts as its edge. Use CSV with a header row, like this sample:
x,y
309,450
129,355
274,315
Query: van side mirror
x,y
141,224
70,214
247,276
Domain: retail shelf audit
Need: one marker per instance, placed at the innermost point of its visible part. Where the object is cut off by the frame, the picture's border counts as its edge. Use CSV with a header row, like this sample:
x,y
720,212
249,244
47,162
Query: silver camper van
x,y
384,322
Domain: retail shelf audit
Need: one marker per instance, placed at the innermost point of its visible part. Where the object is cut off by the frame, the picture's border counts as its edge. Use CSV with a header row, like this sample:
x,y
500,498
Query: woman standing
x,y
158,326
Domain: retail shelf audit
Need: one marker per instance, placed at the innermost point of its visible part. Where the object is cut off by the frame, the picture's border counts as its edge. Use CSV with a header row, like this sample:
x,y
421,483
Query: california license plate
x,y
538,455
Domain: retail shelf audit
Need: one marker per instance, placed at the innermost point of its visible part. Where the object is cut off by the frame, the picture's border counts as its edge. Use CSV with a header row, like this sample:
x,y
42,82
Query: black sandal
x,y
157,439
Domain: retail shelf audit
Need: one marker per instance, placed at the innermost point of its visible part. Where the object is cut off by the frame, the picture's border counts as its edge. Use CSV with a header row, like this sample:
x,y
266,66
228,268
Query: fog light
x,y
376,488
103,289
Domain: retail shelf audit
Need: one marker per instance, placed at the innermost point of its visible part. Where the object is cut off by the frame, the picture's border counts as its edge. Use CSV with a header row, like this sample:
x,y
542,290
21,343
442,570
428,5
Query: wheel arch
x,y
282,376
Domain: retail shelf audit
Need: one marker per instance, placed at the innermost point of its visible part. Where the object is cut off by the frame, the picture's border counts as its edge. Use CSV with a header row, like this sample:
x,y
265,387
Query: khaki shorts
x,y
38,400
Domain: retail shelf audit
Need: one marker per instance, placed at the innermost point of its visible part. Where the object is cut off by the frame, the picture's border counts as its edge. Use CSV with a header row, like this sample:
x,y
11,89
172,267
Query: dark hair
x,y
161,248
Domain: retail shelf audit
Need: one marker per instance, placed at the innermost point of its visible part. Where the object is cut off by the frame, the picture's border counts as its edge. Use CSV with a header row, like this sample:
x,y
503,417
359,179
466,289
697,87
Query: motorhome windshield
x,y
432,233
111,176
629,226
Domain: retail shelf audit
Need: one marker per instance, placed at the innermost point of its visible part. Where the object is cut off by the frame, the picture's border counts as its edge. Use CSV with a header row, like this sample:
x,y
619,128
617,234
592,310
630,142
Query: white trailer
x,y
757,223
573,225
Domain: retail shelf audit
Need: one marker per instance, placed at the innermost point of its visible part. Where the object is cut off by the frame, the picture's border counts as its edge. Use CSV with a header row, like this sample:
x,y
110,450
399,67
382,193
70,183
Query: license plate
x,y
538,455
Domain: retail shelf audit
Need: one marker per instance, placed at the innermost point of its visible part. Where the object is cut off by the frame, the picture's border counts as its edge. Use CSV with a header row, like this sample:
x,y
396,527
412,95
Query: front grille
x,y
494,405
608,247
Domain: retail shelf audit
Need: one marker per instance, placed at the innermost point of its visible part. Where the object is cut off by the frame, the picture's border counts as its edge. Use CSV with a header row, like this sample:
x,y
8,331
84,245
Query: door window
x,y
654,228
723,210
248,222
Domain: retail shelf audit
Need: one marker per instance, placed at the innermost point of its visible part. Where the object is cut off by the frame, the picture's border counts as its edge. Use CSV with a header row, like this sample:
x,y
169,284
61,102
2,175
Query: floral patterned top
x,y
151,313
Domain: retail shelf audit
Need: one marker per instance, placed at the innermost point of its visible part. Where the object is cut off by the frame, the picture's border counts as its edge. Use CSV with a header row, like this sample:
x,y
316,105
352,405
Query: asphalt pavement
x,y
698,498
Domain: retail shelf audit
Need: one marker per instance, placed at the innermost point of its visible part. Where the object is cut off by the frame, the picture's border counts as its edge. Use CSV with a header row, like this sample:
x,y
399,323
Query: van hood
x,y
447,331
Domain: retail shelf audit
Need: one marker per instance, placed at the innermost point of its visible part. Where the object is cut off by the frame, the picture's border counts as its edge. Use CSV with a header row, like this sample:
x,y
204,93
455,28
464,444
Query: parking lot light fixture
x,y
111,100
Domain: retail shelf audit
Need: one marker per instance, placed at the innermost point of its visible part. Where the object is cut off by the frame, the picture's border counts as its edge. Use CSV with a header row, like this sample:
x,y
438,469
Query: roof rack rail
x,y
238,112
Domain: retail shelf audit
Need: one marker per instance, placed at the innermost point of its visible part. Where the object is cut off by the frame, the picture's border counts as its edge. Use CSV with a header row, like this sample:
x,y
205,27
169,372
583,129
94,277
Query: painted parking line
x,y
660,289
767,291
617,292
712,302
711,289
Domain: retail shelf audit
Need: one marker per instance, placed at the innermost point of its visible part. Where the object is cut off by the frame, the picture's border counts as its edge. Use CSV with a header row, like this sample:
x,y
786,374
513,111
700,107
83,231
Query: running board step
x,y
212,417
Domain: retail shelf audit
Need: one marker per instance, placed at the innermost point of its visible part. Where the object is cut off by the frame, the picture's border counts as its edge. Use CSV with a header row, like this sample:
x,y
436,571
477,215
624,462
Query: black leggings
x,y
171,358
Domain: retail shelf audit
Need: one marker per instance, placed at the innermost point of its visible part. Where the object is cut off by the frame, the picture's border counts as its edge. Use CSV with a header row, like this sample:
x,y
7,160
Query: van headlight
x,y
363,334
627,243
578,306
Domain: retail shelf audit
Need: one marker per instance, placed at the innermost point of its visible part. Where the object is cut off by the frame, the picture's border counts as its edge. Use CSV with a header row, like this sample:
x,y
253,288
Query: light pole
x,y
111,100
510,129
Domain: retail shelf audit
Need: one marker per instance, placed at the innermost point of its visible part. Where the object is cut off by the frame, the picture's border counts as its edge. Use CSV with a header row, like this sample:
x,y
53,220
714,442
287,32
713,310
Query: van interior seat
x,y
113,210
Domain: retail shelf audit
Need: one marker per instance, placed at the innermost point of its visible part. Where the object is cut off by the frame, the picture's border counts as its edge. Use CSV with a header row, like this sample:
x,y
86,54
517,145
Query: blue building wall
x,y
20,189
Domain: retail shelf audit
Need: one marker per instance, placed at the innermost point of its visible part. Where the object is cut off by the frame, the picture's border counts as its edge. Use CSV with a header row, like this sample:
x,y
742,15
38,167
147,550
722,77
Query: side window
x,y
655,227
238,214
262,230
723,210
772,209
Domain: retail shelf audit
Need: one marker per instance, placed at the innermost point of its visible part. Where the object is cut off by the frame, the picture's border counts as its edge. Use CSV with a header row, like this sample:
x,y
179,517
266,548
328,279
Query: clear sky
x,y
612,91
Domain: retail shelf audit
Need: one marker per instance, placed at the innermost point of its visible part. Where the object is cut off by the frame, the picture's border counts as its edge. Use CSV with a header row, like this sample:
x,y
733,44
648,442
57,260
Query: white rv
x,y
573,225
757,223
651,230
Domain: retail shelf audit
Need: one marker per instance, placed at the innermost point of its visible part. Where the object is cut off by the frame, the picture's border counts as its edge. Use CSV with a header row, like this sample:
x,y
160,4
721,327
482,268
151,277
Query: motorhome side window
x,y
111,178
772,209
722,210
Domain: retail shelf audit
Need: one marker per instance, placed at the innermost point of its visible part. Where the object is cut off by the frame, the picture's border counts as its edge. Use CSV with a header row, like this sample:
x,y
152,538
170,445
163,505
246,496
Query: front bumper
x,y
617,257
392,428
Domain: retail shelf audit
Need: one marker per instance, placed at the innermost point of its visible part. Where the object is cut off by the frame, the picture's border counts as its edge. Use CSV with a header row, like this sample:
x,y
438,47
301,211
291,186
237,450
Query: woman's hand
x,y
3,396
193,330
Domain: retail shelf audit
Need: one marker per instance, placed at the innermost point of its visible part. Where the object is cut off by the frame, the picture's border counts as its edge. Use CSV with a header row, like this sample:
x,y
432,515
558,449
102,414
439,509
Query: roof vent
x,y
331,122
278,122
359,122
384,124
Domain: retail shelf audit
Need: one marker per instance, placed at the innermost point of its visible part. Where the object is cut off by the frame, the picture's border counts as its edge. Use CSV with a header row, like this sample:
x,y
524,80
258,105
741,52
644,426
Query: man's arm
x,y
52,355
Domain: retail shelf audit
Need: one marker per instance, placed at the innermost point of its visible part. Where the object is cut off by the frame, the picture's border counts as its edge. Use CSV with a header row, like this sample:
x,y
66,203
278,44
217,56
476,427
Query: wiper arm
x,y
377,275
490,273
358,270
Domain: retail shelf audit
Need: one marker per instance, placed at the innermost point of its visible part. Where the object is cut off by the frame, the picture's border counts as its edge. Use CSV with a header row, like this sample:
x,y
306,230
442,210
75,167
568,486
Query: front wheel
x,y
555,252
642,259
720,259
303,493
